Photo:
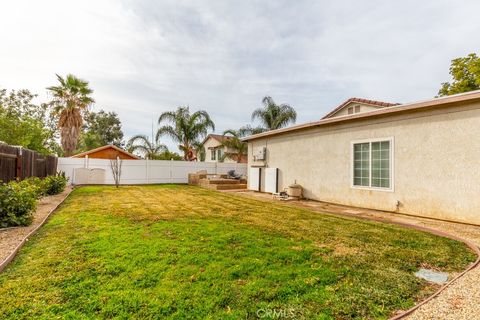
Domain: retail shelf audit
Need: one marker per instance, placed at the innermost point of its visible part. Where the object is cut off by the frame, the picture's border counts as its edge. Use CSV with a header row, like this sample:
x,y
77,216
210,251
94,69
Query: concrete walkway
x,y
461,300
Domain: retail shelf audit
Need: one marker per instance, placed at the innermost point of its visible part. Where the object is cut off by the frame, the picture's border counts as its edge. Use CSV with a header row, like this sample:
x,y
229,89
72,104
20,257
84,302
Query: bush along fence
x,y
18,199
17,163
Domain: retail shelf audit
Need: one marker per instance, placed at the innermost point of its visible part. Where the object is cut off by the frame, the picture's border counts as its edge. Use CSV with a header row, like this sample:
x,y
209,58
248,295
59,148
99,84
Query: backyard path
x,y
458,301
11,238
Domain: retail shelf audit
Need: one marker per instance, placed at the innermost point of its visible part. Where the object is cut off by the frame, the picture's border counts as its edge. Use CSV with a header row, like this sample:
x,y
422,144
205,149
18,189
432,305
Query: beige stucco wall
x,y
363,108
213,143
436,162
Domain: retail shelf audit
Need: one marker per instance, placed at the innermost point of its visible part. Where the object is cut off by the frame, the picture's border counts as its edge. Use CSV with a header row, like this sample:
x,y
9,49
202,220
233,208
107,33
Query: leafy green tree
x,y
70,101
24,123
273,116
186,129
99,129
236,149
168,155
465,72
148,149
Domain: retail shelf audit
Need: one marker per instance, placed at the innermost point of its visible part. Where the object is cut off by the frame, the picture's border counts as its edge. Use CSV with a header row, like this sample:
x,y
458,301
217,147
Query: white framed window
x,y
350,110
219,154
213,154
372,164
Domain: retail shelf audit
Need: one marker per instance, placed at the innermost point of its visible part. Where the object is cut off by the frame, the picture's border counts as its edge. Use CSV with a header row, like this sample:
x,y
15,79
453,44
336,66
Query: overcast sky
x,y
145,57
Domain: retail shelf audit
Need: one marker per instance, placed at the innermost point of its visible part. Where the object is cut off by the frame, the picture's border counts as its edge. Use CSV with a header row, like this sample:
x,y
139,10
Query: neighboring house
x,y
419,158
214,150
107,152
357,105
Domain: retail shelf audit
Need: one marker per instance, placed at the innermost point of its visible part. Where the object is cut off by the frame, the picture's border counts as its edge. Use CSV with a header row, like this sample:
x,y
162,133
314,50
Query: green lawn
x,y
155,252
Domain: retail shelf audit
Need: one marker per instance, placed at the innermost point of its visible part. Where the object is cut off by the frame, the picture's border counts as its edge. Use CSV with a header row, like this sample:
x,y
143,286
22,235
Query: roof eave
x,y
403,108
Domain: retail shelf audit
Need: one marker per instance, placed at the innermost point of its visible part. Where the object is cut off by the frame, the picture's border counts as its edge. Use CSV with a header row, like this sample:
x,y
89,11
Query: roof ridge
x,y
81,154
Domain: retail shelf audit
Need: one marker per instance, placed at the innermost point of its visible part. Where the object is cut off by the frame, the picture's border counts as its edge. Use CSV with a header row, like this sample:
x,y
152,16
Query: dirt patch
x,y
10,238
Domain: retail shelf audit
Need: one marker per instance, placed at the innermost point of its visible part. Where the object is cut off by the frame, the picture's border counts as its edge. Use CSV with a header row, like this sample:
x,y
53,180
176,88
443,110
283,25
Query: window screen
x,y
372,164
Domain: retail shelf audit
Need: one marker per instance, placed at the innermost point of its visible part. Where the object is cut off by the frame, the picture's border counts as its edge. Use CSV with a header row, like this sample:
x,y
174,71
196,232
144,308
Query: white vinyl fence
x,y
143,171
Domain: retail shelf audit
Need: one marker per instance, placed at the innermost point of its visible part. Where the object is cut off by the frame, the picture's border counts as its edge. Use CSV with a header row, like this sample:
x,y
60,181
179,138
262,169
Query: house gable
x,y
357,105
107,152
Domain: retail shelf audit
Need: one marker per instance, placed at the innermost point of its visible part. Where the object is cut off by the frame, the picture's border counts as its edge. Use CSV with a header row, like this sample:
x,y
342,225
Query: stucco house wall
x,y
214,143
436,162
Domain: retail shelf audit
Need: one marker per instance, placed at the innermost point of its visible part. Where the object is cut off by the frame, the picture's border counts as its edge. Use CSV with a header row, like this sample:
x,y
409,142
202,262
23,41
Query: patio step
x,y
231,186
235,186
223,181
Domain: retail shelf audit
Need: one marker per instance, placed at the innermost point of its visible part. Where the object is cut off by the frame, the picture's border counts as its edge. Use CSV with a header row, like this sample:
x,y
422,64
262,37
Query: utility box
x,y
294,190
261,154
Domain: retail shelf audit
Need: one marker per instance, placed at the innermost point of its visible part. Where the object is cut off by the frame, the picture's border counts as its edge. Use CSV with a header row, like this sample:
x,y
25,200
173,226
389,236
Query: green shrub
x,y
36,184
54,184
17,203
18,200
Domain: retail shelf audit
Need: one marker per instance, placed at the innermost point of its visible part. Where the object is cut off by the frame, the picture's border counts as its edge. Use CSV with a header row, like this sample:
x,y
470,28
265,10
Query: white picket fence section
x,y
148,171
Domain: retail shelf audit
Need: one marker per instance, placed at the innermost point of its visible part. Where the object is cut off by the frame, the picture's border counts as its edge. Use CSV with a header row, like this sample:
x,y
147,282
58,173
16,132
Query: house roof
x,y
218,137
386,111
379,104
108,146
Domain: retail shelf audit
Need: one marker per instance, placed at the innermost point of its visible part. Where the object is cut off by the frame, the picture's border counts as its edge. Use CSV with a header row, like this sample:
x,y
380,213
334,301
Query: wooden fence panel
x,y
19,163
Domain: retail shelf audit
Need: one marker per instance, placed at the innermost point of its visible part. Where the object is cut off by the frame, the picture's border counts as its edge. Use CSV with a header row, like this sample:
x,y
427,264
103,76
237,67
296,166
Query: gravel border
x,y
13,238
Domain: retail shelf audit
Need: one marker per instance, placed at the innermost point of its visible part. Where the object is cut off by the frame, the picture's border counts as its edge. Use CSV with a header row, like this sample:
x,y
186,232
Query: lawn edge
x,y
440,233
433,231
13,254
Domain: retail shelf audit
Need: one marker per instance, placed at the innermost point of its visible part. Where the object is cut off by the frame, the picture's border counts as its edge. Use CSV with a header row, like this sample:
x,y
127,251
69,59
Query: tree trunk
x,y
69,139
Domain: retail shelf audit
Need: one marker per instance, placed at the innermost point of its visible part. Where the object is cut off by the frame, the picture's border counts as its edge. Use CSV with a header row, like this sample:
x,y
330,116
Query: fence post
x,y
18,174
171,168
33,165
147,171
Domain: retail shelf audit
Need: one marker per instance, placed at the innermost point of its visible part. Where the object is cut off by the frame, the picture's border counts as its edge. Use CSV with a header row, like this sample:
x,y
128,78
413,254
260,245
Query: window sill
x,y
373,189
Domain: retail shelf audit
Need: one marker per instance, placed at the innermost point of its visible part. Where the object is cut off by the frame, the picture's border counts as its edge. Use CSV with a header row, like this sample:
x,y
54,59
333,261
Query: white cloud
x,y
145,57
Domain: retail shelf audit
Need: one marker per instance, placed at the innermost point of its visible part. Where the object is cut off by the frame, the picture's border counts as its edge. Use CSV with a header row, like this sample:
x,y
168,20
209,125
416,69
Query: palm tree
x,y
273,116
236,149
70,100
150,150
249,130
186,129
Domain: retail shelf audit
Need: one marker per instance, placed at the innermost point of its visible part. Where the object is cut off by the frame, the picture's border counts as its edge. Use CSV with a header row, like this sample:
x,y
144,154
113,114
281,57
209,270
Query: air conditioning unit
x,y
260,154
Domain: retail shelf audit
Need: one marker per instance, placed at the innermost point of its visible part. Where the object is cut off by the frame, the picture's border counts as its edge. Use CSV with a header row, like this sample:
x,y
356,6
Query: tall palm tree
x,y
150,150
273,116
186,129
70,100
236,149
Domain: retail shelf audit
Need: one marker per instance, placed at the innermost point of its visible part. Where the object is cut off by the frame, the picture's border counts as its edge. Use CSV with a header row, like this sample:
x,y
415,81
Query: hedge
x,y
18,200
